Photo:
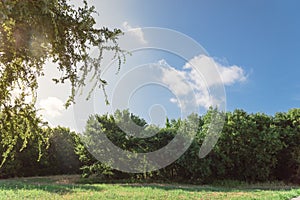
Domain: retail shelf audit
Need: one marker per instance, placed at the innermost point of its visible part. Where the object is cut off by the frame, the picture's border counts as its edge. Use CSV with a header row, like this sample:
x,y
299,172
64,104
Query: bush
x,y
288,127
59,158
251,148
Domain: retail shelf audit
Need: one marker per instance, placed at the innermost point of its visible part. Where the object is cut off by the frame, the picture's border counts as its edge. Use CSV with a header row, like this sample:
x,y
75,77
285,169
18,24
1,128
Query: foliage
x,y
252,147
247,148
32,32
288,128
23,163
20,126
59,158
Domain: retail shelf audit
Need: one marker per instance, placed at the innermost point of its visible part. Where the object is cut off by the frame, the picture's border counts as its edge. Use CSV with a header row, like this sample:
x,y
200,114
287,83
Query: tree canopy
x,y
31,33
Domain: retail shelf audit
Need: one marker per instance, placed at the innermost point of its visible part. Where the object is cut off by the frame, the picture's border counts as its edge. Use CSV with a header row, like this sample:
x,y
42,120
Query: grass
x,y
67,187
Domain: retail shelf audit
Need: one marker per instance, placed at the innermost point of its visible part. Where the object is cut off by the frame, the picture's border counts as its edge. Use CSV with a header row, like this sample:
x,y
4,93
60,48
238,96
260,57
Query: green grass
x,y
65,187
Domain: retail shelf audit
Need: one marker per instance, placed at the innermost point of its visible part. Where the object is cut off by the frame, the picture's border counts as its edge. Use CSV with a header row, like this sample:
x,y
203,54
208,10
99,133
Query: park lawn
x,y
65,187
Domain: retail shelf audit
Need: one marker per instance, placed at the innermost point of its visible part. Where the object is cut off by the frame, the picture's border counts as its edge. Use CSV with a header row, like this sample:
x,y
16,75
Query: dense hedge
x,y
252,147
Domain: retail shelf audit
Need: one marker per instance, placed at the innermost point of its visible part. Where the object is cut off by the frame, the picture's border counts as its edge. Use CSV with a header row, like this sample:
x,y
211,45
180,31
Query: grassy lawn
x,y
67,187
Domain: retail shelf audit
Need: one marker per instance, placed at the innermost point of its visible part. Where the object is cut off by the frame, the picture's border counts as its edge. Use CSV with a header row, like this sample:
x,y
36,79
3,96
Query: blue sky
x,y
261,38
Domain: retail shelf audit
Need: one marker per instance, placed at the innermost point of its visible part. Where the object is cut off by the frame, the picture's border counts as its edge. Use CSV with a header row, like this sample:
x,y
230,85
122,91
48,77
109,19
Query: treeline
x,y
252,147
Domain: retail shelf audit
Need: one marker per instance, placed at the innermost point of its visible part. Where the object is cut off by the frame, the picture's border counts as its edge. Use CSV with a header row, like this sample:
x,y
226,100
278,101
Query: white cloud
x,y
207,67
135,31
173,100
176,81
197,78
232,74
52,107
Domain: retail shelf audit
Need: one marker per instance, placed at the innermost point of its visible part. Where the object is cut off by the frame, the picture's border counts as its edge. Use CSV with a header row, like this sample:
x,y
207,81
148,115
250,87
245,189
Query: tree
x,y
23,163
288,127
31,33
60,157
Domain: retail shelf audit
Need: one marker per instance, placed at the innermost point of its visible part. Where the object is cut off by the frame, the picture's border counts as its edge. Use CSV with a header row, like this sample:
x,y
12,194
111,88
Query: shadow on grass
x,y
46,185
223,186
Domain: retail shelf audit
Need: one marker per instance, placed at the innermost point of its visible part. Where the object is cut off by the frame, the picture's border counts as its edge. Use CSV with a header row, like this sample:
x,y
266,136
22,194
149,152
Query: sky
x,y
251,47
